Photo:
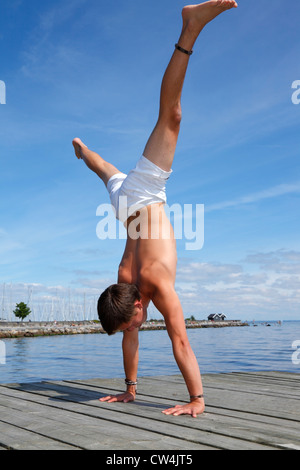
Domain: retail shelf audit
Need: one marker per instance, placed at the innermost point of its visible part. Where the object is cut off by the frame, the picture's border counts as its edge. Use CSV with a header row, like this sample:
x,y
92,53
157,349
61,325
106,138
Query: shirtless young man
x,y
148,267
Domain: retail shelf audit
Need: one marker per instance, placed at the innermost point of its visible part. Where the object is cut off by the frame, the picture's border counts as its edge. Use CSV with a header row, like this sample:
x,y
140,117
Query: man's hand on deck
x,y
193,408
124,397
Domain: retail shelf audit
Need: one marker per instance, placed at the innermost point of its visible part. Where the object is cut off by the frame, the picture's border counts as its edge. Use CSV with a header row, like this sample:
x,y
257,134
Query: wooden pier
x,y
244,411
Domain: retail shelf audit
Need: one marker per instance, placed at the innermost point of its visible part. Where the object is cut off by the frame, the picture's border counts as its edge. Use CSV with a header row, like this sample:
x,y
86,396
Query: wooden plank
x,y
256,388
242,412
165,426
269,384
257,399
252,430
95,430
228,434
216,396
16,438
241,379
288,376
115,416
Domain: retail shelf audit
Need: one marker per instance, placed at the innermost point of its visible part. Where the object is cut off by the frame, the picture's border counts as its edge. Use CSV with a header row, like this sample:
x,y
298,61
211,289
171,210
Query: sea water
x,y
250,348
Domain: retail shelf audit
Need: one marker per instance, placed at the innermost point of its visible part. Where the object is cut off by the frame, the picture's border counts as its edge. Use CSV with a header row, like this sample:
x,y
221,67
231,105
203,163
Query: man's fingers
x,y
103,399
180,410
107,398
171,410
124,397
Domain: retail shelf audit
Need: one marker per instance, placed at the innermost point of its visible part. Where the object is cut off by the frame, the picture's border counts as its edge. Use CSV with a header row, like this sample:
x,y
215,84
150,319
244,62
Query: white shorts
x,y
144,185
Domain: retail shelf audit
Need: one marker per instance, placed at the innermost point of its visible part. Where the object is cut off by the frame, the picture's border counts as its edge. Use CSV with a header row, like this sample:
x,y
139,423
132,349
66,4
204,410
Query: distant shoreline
x,y
35,329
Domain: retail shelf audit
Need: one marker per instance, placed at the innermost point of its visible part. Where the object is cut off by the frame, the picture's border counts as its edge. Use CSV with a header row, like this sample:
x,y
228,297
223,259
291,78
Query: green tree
x,y
191,318
22,311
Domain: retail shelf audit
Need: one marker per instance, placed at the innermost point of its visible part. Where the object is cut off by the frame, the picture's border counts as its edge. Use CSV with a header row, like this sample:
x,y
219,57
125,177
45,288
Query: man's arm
x,y
167,302
130,346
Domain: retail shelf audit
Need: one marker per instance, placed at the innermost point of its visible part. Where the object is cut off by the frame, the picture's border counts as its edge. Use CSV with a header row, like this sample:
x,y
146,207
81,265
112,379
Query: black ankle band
x,y
183,50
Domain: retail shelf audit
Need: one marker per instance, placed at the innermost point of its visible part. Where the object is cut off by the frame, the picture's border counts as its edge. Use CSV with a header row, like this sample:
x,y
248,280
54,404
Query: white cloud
x,y
280,261
270,291
275,191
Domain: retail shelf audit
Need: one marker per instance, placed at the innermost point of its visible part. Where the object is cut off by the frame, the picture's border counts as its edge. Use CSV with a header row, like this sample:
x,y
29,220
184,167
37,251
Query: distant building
x,y
216,317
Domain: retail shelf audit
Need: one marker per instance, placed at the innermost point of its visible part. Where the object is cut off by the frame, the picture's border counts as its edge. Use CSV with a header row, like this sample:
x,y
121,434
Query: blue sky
x,y
93,69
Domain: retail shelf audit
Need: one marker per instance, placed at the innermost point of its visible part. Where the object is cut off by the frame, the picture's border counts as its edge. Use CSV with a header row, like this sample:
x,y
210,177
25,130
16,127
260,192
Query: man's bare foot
x,y
195,17
92,160
78,146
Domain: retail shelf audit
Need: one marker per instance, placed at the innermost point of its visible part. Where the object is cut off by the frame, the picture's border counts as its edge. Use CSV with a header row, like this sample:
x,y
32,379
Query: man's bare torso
x,y
150,252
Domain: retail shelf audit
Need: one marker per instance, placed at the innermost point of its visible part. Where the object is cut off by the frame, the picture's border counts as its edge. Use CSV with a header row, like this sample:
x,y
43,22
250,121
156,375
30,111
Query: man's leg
x,y
94,162
160,148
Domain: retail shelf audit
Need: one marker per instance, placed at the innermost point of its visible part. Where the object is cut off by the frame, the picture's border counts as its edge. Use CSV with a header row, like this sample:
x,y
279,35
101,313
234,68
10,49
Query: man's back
x,y
150,253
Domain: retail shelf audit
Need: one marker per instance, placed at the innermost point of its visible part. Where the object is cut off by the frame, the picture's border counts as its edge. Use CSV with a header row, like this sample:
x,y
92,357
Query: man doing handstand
x,y
148,267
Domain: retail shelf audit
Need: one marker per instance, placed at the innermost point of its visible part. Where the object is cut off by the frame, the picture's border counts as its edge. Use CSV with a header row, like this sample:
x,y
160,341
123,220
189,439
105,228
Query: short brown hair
x,y
116,306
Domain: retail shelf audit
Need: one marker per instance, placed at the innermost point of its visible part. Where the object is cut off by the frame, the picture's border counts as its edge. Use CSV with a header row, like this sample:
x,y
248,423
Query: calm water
x,y
90,356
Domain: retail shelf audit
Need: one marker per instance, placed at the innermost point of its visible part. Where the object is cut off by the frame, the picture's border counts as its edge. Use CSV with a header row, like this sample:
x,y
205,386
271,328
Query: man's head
x,y
117,305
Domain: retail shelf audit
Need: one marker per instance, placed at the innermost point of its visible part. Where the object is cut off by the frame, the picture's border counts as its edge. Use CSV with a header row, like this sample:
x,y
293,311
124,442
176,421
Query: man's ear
x,y
138,304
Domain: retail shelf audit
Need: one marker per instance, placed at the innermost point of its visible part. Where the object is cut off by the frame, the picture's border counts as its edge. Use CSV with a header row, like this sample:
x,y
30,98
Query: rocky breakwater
x,y
160,325
31,329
